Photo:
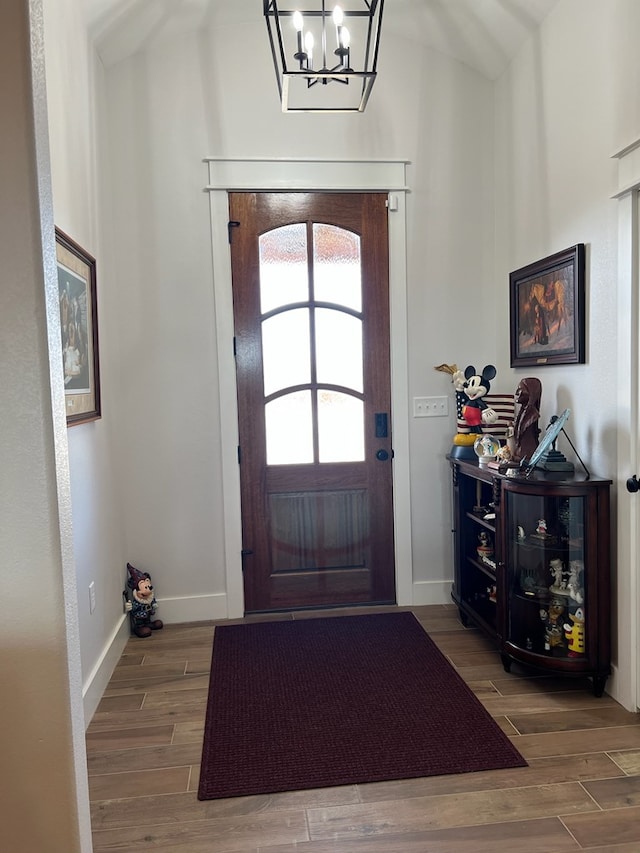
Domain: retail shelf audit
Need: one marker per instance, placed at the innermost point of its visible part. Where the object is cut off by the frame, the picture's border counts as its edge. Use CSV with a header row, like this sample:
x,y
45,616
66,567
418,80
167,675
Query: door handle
x,y
382,429
633,485
382,455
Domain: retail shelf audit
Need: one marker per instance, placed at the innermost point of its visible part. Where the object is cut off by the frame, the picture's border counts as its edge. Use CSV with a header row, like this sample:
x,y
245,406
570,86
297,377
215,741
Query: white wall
x,y
145,479
44,803
167,411
499,176
177,103
73,84
568,102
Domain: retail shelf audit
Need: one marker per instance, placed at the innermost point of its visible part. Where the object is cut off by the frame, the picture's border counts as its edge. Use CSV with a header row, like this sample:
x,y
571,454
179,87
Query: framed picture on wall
x,y
547,310
79,330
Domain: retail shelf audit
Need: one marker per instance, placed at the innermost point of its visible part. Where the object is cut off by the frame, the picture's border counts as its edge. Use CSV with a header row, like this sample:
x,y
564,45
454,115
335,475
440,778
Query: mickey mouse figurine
x,y
475,386
142,604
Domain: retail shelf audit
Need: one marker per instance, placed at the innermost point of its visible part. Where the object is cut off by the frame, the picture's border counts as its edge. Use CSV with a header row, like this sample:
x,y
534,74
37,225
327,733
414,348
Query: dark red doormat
x,y
337,701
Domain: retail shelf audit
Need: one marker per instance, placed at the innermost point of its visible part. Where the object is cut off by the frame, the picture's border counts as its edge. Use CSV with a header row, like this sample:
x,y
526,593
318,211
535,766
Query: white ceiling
x,y
484,34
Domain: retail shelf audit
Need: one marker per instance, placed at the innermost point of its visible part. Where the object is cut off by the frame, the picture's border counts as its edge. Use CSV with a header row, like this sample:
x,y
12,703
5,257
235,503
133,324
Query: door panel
x,y
311,313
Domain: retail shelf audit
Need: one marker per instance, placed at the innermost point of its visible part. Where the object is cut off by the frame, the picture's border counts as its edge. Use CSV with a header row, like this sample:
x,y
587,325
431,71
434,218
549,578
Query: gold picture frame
x,y
547,308
79,330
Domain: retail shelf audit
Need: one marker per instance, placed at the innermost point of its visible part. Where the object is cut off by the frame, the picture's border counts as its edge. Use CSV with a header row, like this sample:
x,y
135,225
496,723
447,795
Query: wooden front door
x,y
311,314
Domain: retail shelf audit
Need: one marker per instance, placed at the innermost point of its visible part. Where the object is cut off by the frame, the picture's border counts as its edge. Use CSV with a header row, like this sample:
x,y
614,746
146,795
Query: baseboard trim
x,y
618,688
201,608
431,592
192,608
95,685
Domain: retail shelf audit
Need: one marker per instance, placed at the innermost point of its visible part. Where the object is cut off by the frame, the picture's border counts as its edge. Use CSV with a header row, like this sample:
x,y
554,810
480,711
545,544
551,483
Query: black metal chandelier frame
x,y
289,75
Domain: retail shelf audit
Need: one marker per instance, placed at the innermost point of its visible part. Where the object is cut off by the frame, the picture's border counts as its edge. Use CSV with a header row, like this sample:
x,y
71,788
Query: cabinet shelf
x,y
538,598
485,568
477,519
559,545
547,602
481,612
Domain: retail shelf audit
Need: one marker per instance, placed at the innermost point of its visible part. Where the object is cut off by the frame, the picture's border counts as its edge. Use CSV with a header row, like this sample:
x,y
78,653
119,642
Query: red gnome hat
x,y
135,576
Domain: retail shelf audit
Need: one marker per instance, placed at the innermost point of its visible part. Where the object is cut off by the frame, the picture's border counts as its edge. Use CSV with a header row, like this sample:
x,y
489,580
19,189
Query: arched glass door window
x,y
312,344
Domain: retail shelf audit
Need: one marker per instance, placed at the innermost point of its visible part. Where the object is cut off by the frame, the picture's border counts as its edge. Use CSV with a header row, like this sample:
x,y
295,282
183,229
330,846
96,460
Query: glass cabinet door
x,y
546,581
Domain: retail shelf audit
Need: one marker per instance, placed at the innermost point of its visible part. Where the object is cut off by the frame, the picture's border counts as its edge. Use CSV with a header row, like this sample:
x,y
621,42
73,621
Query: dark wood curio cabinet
x,y
532,566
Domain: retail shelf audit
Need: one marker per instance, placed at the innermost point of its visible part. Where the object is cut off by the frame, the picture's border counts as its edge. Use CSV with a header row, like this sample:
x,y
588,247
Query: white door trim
x,y
227,174
626,672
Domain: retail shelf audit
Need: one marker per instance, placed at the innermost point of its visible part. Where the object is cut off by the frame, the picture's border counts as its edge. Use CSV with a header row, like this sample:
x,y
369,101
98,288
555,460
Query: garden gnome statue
x,y
142,604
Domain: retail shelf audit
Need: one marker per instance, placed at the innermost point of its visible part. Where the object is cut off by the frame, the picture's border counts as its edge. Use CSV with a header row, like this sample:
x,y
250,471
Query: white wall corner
x,y
172,611
431,592
192,608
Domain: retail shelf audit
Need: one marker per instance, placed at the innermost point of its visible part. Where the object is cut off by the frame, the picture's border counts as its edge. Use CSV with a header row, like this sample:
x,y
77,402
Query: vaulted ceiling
x,y
483,34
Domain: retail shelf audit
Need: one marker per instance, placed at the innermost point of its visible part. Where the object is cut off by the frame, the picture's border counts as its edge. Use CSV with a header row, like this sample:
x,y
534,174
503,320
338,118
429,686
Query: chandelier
x,y
325,59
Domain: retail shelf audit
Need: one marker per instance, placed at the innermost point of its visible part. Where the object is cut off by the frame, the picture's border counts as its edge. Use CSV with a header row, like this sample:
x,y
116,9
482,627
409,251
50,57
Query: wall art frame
x,y
547,310
79,330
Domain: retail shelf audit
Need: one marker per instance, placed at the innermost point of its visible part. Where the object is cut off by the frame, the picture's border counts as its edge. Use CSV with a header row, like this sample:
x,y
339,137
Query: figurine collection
x,y
546,549
558,586
518,436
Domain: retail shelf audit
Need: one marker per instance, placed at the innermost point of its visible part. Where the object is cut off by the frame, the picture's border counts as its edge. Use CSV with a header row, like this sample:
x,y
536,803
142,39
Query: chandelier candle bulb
x,y
346,40
298,24
308,44
338,18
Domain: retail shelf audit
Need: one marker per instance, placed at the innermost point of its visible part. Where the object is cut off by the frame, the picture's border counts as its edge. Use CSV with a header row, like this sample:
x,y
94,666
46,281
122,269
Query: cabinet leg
x,y
506,662
463,617
599,682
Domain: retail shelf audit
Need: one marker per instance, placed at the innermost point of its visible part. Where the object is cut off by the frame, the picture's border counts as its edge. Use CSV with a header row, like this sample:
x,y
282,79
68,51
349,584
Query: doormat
x,y
342,700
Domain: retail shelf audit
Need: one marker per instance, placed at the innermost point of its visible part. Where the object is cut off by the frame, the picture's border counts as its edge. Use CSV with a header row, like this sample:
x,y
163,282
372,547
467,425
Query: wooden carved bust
x,y
526,430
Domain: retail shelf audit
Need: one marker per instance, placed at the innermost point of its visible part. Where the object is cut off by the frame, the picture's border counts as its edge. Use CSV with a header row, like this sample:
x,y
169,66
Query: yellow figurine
x,y
575,634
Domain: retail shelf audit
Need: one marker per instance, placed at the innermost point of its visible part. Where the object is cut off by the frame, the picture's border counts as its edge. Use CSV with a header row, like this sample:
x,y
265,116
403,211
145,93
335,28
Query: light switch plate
x,y
430,407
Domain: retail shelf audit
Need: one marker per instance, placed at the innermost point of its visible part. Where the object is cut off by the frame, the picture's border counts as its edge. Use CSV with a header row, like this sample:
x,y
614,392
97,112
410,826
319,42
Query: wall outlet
x,y
430,407
92,596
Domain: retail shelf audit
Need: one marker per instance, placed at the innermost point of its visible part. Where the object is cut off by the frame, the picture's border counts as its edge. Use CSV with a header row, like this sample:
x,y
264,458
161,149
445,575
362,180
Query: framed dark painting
x,y
79,330
547,310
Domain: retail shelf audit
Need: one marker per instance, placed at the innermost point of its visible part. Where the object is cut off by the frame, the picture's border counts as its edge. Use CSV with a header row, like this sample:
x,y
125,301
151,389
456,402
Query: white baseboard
x,y
618,688
192,608
98,679
431,592
202,608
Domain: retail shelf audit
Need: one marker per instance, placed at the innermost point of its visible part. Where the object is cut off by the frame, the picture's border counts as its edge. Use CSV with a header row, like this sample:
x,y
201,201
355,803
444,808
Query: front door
x,y
311,314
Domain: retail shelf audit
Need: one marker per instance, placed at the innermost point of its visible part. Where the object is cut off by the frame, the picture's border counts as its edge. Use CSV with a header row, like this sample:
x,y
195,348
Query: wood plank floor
x,y
581,790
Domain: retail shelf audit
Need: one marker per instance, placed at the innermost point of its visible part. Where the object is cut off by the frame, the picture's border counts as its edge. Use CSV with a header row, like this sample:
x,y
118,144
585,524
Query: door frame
x,y
258,175
626,671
